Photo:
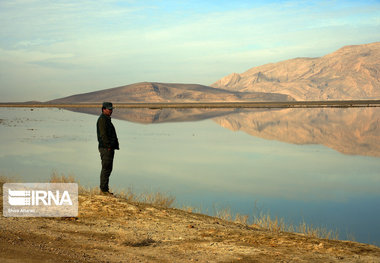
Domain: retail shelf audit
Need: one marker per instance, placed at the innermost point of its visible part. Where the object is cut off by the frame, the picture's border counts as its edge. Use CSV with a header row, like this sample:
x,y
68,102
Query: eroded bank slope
x,y
110,229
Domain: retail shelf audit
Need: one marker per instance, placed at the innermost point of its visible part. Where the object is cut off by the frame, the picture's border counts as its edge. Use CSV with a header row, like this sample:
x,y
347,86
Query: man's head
x,y
107,108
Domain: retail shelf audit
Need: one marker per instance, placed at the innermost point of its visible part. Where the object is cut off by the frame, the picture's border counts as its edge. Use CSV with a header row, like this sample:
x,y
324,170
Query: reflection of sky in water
x,y
203,165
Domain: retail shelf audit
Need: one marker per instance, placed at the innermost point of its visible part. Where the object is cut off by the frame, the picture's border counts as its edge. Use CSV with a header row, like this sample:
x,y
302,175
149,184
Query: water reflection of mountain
x,y
148,116
349,131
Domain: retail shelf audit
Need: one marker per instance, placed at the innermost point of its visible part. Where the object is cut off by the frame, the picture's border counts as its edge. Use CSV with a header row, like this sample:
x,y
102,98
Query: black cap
x,y
107,105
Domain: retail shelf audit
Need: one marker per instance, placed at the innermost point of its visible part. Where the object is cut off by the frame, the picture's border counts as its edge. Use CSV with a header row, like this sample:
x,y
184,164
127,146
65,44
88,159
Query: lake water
x,y
321,166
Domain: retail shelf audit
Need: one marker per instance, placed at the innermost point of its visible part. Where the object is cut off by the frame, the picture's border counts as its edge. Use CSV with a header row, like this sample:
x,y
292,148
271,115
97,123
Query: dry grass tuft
x,y
139,243
224,213
83,190
128,195
6,179
191,209
278,225
265,221
61,178
135,239
320,232
241,219
157,199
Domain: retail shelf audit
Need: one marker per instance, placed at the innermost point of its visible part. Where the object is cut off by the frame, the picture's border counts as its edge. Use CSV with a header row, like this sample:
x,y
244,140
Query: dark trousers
x,y
107,164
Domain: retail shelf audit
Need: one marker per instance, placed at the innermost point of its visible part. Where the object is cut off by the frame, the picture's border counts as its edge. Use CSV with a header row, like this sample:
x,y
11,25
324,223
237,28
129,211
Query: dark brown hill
x,y
169,92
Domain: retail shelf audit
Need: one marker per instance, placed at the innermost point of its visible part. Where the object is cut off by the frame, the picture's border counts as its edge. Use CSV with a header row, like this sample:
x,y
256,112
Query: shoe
x,y
106,193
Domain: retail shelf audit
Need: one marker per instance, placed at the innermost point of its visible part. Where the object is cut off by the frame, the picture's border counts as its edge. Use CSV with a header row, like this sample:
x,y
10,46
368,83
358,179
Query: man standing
x,y
108,143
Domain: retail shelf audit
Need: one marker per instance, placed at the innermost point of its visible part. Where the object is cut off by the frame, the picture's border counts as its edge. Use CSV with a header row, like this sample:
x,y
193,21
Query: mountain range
x,y
350,73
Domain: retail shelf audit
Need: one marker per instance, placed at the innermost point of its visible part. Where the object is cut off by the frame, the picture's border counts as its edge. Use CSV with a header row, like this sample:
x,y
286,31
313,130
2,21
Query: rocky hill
x,y
169,92
352,72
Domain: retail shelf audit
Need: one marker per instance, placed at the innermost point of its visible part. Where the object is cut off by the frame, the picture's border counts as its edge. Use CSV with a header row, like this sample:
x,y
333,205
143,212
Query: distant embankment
x,y
161,105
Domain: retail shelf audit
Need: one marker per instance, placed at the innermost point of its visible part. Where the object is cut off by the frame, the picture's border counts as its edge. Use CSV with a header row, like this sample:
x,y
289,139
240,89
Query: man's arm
x,y
103,133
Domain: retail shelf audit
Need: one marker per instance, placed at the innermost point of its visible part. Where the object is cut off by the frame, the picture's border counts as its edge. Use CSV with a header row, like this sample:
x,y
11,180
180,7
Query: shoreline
x,y
162,105
111,229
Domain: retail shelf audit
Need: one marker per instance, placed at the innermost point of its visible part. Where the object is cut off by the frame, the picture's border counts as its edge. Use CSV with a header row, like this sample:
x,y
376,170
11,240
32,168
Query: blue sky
x,y
51,49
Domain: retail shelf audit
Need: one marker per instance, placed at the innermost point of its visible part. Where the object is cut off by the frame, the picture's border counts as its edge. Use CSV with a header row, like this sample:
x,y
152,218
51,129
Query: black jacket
x,y
107,137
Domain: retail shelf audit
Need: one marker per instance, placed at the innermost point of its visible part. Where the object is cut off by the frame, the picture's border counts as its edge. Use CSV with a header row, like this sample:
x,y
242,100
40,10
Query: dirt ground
x,y
109,229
